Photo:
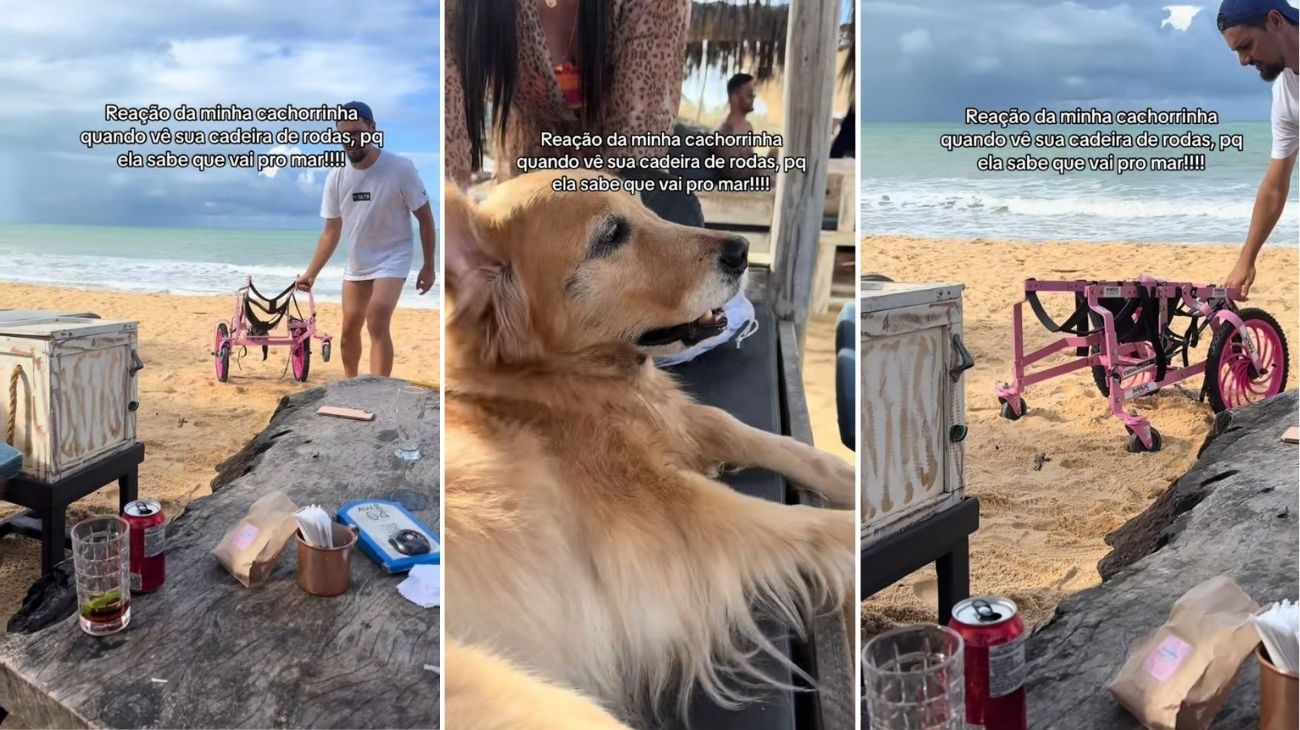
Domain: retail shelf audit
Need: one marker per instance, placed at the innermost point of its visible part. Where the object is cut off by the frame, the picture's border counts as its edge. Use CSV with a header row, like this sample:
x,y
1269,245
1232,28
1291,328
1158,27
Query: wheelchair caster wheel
x,y
1010,414
1135,445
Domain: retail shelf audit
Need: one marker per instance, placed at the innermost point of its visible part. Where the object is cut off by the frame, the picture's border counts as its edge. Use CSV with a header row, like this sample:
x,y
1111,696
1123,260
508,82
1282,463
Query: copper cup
x,y
327,571
1279,708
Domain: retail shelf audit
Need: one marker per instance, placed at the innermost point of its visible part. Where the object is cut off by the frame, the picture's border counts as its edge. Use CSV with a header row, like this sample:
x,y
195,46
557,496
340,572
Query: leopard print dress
x,y
648,65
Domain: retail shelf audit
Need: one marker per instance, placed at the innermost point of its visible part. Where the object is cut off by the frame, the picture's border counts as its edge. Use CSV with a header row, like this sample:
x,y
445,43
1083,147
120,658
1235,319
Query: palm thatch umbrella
x,y
728,36
748,35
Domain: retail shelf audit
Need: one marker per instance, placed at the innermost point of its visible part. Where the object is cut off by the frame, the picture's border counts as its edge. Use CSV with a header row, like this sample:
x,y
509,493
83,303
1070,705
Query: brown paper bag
x,y
253,546
1179,676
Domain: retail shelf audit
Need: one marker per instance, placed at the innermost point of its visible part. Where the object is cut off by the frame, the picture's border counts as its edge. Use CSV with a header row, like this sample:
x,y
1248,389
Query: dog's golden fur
x,y
486,692
588,544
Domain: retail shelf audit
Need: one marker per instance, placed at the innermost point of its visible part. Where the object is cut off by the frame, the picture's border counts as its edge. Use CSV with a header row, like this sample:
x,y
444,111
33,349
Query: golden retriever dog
x,y
591,552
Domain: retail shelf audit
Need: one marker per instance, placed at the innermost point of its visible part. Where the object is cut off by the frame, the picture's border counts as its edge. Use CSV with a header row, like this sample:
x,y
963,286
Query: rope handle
x,y
11,426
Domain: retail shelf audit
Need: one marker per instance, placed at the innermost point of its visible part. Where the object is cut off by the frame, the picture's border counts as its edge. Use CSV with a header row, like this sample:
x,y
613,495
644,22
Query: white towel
x,y
739,312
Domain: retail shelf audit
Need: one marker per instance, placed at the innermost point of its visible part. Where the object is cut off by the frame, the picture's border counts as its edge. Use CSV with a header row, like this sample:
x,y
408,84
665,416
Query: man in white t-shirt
x,y
372,197
1263,34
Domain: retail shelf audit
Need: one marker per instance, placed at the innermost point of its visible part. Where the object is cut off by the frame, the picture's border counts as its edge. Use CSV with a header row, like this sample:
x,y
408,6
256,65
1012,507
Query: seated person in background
x,y
740,102
845,140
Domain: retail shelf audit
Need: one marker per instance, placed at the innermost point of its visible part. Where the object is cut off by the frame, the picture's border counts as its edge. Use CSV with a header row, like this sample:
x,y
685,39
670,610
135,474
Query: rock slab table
x,y
206,652
1233,514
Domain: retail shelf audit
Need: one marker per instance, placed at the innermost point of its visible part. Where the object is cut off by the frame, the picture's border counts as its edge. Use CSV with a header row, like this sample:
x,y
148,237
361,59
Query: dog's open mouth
x,y
711,324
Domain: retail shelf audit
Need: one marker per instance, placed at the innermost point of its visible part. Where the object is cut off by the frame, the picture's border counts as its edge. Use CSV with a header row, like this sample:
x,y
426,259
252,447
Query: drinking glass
x,y
101,560
914,679
409,407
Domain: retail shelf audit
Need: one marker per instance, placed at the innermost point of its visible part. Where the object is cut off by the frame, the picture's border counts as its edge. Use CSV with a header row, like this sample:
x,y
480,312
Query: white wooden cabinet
x,y
912,396
77,394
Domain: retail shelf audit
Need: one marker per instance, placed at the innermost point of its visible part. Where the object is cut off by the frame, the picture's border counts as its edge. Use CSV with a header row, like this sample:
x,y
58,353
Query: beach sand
x,y
819,384
1042,532
187,420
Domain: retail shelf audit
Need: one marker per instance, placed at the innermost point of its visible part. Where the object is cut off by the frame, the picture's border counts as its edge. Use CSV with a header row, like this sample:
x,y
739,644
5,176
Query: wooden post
x,y
812,39
704,84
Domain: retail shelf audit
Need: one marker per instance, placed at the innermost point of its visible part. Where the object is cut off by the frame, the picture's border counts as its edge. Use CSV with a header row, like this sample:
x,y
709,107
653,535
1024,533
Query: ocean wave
x,y
184,278
1066,212
1235,209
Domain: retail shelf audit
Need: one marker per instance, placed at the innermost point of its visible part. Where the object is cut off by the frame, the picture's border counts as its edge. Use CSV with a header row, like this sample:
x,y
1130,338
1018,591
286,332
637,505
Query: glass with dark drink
x,y
101,555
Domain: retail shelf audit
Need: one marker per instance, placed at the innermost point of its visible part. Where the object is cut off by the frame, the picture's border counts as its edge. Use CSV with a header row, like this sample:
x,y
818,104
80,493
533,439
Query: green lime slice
x,y
100,603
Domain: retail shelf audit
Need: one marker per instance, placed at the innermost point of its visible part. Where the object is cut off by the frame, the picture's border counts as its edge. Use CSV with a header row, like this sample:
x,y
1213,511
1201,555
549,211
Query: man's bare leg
x,y
379,319
356,299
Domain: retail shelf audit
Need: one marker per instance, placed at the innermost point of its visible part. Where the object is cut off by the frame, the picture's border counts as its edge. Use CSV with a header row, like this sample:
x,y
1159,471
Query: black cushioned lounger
x,y
744,382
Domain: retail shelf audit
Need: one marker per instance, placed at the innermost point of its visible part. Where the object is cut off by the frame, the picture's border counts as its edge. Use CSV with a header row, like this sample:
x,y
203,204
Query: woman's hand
x,y
424,280
305,281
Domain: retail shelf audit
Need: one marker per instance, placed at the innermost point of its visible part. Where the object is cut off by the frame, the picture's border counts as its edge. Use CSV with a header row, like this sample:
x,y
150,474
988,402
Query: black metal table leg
x,y
954,577
47,502
55,537
128,488
942,538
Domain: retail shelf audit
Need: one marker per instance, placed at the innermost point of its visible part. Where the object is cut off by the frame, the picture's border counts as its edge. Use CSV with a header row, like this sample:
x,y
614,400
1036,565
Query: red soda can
x,y
995,662
148,545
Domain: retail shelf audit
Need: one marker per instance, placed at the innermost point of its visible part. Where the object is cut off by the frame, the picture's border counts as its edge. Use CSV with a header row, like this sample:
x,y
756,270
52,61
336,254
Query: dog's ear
x,y
464,239
488,306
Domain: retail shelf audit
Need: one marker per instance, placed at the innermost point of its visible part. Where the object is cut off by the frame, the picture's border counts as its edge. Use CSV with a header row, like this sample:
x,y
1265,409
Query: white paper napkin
x,y
1279,628
422,587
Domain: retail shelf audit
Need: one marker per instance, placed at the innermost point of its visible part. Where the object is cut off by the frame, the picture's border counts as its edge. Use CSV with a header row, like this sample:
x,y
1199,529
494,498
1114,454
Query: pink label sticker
x,y
246,535
1165,659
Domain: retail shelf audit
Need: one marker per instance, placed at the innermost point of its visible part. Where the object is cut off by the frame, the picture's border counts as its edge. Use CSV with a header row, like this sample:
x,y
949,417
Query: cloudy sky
x,y
61,62
926,60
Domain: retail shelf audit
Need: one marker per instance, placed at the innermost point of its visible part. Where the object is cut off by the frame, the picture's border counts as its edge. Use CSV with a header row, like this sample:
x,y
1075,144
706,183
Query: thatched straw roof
x,y
750,36
728,36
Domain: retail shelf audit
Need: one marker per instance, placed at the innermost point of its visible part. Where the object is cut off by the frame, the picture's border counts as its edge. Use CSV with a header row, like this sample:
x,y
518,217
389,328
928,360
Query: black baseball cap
x,y
1236,12
362,109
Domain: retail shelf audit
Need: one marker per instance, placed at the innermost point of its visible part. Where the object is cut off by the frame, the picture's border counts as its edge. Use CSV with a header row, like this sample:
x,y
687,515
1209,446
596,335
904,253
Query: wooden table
x,y
206,652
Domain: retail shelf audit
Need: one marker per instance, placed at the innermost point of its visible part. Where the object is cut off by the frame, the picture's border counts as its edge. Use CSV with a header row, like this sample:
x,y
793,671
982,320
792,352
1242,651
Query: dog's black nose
x,y
735,255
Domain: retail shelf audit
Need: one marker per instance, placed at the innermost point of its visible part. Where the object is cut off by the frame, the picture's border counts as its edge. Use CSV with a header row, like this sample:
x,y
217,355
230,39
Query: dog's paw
x,y
844,479
842,527
837,481
837,550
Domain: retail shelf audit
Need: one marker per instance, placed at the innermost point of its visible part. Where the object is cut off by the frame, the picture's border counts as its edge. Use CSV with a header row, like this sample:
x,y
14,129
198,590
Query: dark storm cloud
x,y
927,61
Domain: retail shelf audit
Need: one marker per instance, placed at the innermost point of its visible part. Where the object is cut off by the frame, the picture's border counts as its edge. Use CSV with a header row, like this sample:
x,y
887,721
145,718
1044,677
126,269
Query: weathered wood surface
x,y
272,656
831,650
73,397
801,196
1234,514
911,468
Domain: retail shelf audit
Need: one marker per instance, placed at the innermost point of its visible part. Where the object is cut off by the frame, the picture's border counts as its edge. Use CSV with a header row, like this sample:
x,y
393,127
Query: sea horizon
x,y
910,185
177,261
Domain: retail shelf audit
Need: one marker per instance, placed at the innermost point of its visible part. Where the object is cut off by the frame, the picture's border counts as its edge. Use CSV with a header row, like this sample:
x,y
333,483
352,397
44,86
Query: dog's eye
x,y
614,232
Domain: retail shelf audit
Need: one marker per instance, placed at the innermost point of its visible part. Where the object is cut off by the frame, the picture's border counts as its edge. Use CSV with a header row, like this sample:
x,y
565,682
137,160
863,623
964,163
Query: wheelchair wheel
x,y
221,352
1135,445
1009,413
1145,353
300,358
1231,378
